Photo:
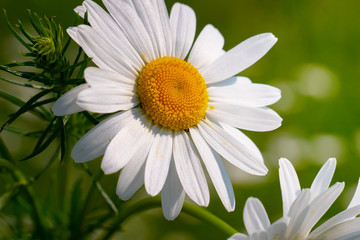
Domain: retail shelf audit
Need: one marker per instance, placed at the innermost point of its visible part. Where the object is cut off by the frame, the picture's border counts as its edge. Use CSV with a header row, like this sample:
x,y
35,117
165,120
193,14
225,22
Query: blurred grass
x,y
316,65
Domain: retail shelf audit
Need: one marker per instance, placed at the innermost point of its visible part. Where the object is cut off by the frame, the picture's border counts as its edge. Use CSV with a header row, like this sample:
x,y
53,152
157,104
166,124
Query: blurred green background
x,y
316,65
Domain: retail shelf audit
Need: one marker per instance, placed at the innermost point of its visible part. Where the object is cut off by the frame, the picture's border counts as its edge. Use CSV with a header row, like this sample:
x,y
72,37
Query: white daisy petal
x,y
97,77
319,206
255,216
66,104
106,100
119,152
297,213
289,183
346,215
239,58
240,90
149,14
183,27
102,49
94,142
348,230
277,230
165,23
355,201
80,10
238,236
243,139
131,179
216,169
158,162
244,117
132,176
106,26
189,169
100,61
207,47
172,195
127,18
231,149
323,178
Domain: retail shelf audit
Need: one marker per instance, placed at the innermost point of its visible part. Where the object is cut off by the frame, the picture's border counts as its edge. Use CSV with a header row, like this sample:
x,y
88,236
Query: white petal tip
x,y
170,218
152,192
283,161
230,208
80,10
56,111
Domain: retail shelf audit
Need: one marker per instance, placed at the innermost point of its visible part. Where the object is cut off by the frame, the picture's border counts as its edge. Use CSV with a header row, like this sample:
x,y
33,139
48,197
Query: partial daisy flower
x,y
302,209
173,107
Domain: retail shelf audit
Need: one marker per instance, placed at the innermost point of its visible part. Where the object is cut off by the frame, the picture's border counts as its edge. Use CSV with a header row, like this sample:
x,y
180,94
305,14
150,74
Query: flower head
x,y
48,46
173,106
302,209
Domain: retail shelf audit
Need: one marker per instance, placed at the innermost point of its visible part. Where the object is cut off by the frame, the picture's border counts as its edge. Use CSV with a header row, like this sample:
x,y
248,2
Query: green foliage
x,y
50,73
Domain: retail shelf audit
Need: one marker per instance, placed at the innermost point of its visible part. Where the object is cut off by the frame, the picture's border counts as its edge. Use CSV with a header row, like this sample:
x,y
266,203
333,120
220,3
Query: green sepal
x,y
26,34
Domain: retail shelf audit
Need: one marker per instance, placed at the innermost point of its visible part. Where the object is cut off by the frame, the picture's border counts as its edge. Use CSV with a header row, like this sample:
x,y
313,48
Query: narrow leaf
x,y
25,84
18,37
44,134
20,64
25,107
26,34
90,118
18,102
42,147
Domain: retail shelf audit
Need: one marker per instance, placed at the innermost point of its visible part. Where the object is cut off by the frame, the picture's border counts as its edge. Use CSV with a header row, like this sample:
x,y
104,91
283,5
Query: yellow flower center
x,y
173,93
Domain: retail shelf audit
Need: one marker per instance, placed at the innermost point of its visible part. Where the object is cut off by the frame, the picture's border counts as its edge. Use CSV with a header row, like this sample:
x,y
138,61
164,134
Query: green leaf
x,y
90,118
18,102
20,64
26,34
25,84
36,23
66,45
40,77
44,134
75,81
27,106
27,45
42,147
83,66
33,134
41,103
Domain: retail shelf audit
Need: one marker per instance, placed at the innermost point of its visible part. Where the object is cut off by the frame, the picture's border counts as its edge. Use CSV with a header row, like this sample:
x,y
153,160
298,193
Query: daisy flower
x,y
302,209
173,106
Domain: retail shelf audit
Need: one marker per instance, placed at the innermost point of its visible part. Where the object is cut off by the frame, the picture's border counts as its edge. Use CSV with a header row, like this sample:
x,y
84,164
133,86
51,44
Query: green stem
x,y
97,184
192,210
206,216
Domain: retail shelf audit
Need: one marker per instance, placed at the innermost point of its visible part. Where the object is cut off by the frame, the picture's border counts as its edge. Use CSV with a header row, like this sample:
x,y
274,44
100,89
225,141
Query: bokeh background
x,y
316,64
